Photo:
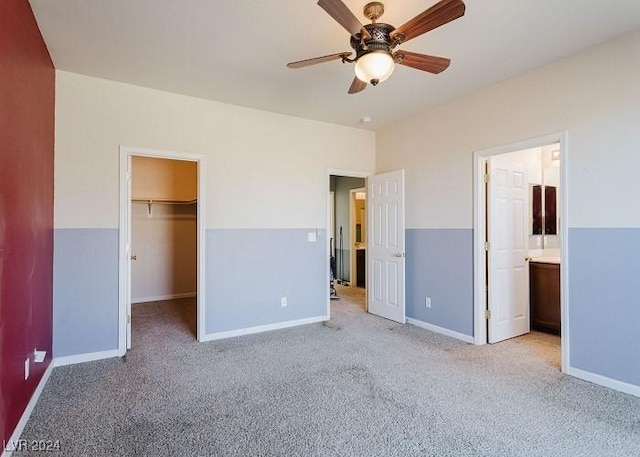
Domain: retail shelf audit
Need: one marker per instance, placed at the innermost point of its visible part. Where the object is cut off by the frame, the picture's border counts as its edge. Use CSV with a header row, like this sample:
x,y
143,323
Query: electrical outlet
x,y
283,301
26,369
38,356
427,302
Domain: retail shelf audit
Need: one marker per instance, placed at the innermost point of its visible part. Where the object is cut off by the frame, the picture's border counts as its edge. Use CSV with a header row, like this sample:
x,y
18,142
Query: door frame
x,y
124,229
352,233
479,227
346,174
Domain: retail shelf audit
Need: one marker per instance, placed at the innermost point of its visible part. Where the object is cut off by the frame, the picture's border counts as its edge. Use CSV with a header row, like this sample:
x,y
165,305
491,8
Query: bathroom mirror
x,y
550,217
543,210
536,210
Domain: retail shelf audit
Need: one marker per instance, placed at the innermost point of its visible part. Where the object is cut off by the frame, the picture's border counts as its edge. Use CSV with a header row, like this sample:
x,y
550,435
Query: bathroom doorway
x,y
520,232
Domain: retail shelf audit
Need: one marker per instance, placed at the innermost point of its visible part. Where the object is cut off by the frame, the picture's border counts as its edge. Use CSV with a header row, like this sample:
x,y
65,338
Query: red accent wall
x,y
27,91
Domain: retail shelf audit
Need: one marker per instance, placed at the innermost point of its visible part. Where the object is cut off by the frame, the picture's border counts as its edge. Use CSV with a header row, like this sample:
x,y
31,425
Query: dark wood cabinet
x,y
361,264
544,296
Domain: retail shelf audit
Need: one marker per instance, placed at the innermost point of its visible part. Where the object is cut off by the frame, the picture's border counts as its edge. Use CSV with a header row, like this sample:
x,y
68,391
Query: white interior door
x,y
385,246
508,273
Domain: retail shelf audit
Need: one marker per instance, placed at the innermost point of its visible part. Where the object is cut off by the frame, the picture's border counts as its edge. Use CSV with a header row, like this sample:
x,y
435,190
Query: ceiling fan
x,y
375,43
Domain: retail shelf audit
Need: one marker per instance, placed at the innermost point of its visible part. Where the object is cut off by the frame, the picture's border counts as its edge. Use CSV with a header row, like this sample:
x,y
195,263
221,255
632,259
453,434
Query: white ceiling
x,y
235,51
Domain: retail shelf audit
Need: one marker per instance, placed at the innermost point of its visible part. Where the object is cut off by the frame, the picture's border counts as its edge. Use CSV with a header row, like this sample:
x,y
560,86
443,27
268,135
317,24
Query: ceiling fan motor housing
x,y
380,39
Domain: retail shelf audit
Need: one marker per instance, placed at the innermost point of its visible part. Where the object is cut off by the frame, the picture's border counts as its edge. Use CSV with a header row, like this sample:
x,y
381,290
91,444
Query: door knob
x,y
400,254
134,257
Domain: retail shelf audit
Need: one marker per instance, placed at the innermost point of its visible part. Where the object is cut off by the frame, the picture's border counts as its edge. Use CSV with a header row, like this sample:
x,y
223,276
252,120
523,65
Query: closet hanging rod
x,y
164,201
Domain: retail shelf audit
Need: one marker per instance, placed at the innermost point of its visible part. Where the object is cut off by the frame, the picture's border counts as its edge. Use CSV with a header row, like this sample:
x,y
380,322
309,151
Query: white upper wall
x,y
263,170
594,96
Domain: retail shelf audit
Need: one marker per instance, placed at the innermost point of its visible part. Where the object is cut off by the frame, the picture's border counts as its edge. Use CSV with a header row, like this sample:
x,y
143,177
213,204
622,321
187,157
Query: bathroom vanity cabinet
x,y
361,265
544,289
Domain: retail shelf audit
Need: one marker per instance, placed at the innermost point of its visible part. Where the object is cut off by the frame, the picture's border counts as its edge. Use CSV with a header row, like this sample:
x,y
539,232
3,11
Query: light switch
x,y
311,237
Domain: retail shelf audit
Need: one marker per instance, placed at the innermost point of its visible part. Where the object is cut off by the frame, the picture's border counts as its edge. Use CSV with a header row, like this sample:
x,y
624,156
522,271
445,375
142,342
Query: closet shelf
x,y
162,201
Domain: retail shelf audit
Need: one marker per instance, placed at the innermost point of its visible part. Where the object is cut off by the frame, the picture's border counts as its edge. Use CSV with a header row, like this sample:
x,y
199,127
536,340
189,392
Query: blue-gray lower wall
x,y
440,265
604,296
85,291
248,271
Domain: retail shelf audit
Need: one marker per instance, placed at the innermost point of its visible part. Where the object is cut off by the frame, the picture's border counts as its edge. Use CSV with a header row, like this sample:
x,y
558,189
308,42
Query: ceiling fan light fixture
x,y
374,43
375,67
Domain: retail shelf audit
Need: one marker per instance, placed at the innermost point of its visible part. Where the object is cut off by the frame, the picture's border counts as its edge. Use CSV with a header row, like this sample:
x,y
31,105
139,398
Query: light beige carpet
x,y
358,385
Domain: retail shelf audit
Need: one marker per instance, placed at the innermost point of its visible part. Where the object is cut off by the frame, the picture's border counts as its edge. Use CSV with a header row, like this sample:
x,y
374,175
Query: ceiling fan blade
x,y
357,86
315,60
439,14
343,16
431,64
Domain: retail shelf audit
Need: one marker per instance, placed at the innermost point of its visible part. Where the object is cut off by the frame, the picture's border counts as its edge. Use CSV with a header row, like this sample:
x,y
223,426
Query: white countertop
x,y
549,259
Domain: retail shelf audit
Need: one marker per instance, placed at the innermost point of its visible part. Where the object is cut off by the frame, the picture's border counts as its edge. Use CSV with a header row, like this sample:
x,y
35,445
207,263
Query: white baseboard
x,y
17,432
163,297
605,381
263,328
81,358
441,330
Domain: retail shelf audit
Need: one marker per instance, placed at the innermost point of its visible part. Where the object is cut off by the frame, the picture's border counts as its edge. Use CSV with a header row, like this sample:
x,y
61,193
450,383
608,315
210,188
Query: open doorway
x,y
358,227
382,243
347,243
161,245
164,200
520,242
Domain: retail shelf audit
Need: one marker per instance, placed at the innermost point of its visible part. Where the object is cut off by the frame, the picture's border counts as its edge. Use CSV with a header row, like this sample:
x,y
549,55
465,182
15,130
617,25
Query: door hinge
x,y
487,245
487,314
487,178
128,176
128,318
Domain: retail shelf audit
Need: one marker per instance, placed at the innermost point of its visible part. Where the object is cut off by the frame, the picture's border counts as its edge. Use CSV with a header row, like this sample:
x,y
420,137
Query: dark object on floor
x,y
332,268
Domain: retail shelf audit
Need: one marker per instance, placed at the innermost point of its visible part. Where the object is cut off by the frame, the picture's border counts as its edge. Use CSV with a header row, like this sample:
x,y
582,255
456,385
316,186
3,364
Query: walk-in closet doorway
x,y
161,244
